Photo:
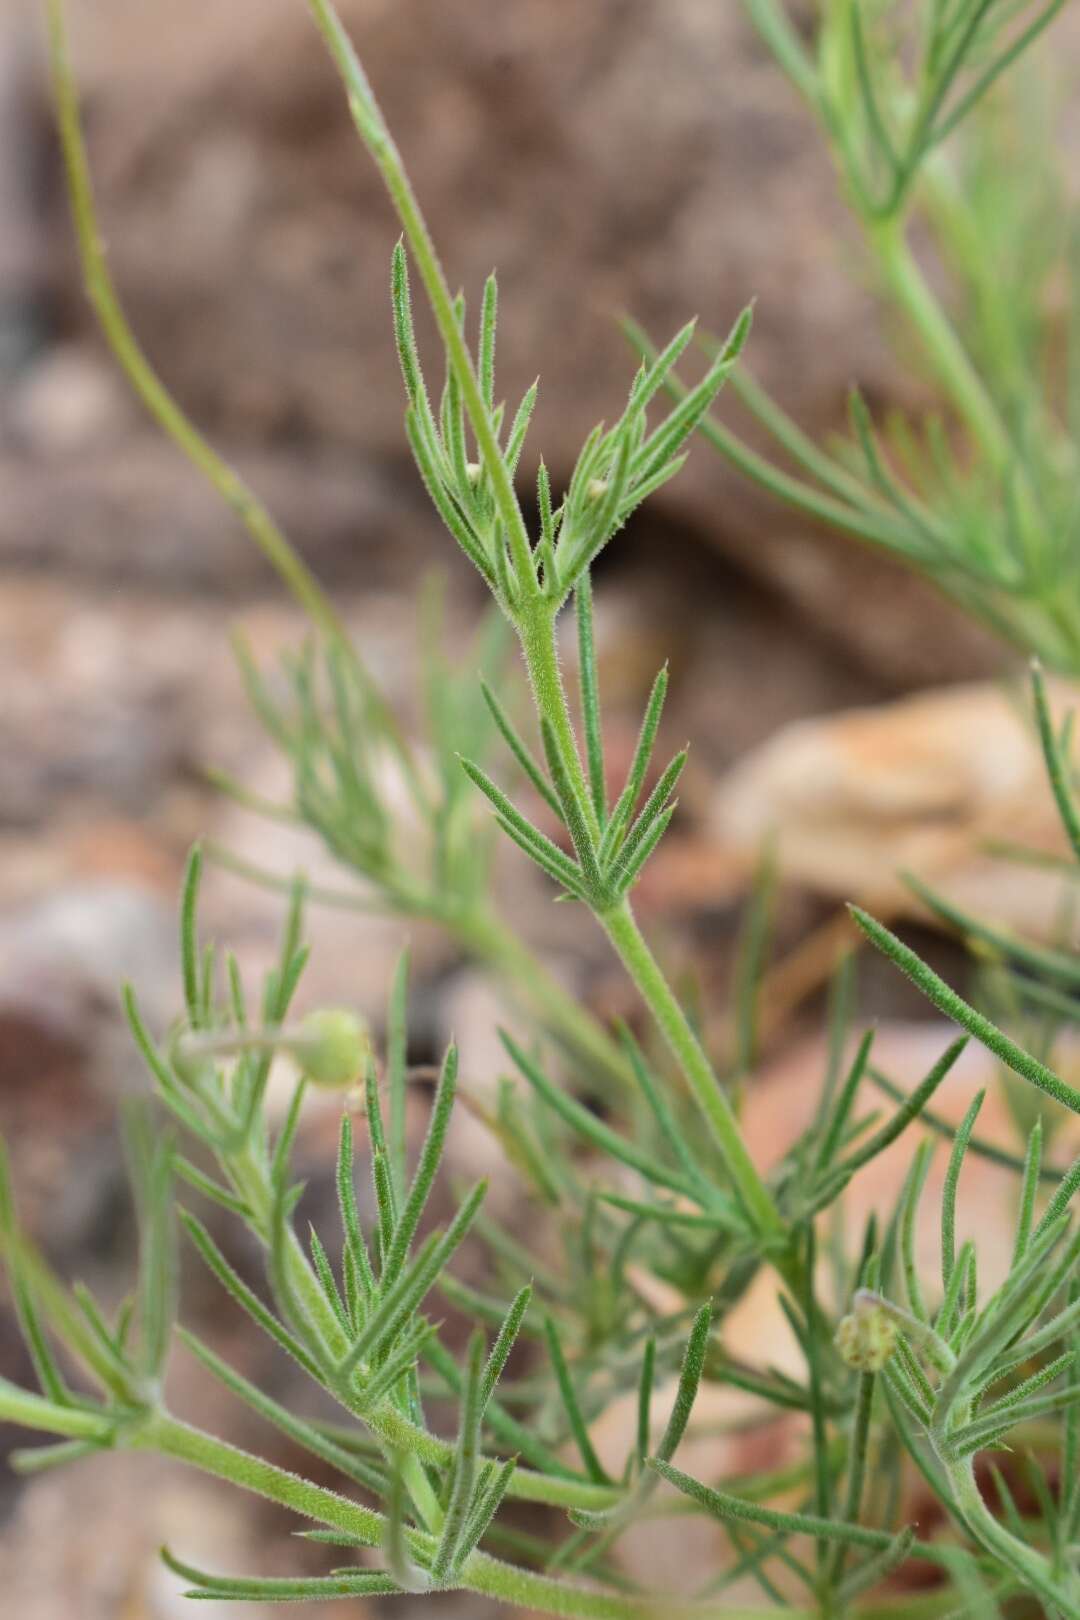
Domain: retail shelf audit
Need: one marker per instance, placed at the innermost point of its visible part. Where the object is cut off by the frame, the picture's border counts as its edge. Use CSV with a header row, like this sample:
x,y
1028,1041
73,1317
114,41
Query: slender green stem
x,y
1062,1595
223,478
29,1411
534,613
534,618
145,381
373,130
535,624
170,1437
481,1573
943,347
635,955
860,1436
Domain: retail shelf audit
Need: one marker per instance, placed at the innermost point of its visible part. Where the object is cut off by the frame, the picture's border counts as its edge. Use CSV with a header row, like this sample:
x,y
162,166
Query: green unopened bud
x,y
331,1046
867,1338
190,1062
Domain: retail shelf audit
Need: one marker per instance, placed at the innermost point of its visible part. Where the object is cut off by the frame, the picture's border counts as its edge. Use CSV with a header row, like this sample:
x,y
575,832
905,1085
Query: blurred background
x,y
607,158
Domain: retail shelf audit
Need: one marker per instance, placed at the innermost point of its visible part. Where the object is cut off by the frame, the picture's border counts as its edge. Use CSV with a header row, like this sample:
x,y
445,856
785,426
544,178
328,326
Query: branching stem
x,y
534,616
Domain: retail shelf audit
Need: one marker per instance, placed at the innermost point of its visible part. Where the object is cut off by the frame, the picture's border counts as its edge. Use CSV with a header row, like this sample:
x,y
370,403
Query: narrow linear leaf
x,y
362,1583
243,1295
1028,1193
529,837
632,864
627,800
561,871
953,1006
652,810
410,1288
572,1407
396,1056
463,1470
952,1178
500,1350
574,812
304,1434
1056,764
725,1506
587,1125
519,750
590,696
189,942
488,1503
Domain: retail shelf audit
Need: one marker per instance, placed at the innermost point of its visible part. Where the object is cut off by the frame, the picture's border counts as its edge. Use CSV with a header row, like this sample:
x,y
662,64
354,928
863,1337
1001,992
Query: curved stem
x,y
170,417
534,619
481,1573
1031,1569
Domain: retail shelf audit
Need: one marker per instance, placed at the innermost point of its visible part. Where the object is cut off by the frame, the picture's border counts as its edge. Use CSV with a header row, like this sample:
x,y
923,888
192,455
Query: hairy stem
x,y
1062,1595
535,625
481,1573
635,955
534,619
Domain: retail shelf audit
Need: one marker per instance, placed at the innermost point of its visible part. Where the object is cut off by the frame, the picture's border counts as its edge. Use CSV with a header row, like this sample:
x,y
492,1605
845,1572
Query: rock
x,y
922,785
61,1555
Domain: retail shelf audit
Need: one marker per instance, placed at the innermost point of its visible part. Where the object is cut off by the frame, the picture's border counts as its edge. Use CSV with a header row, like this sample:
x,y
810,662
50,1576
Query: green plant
x,y
341,759
938,140
434,862
662,1188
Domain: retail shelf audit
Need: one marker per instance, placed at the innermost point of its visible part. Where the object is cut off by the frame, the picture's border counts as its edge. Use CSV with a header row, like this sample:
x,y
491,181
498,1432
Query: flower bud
x,y
596,489
190,1065
867,1338
331,1046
